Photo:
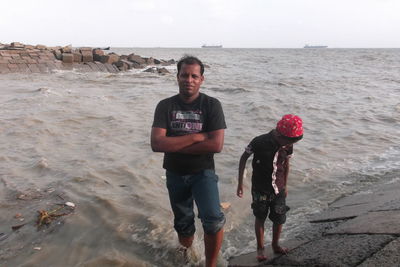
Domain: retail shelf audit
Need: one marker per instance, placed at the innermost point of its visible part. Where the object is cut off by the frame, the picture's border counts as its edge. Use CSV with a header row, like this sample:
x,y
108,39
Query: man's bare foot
x,y
260,255
183,254
279,250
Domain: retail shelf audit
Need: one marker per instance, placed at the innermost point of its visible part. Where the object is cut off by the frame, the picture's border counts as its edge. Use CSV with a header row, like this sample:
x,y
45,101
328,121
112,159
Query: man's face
x,y
189,80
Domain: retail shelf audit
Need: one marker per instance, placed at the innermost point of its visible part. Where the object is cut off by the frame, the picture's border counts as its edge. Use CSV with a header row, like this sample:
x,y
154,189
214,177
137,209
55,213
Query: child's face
x,y
282,140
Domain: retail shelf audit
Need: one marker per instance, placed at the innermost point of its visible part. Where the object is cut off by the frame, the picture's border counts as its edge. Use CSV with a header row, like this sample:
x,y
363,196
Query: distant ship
x,y
211,46
315,46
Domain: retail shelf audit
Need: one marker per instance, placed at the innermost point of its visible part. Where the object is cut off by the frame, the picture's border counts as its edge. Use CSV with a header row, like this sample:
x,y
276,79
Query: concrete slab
x,y
34,68
391,205
250,259
93,66
380,222
43,67
66,66
373,198
86,68
111,68
389,256
101,66
340,213
338,250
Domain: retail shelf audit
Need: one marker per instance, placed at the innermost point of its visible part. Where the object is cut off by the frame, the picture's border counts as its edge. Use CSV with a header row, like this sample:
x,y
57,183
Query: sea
x,y
85,138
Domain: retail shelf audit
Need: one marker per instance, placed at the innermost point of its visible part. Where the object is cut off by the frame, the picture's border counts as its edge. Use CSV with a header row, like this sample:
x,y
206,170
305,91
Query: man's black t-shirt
x,y
204,114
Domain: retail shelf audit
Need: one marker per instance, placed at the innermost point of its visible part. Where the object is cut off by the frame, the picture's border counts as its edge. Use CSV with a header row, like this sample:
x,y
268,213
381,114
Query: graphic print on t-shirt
x,y
186,122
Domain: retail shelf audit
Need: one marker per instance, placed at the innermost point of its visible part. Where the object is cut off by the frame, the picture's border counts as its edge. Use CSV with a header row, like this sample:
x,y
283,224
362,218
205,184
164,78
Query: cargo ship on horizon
x,y
211,46
315,46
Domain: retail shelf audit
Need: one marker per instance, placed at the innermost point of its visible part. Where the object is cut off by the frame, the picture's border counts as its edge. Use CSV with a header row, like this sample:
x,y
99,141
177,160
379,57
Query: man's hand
x,y
160,142
200,137
213,143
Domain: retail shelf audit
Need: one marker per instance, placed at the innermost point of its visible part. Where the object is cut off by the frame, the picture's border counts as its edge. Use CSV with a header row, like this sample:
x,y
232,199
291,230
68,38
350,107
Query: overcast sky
x,y
191,23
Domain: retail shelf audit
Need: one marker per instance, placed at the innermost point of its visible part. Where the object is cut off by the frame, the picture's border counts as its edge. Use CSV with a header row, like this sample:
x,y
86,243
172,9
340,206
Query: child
x,y
270,172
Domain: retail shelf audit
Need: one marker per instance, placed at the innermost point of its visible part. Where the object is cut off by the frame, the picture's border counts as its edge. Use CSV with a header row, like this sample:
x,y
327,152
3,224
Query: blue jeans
x,y
201,187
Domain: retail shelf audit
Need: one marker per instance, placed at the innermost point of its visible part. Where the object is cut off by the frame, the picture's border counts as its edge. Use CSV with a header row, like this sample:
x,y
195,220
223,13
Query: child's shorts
x,y
273,204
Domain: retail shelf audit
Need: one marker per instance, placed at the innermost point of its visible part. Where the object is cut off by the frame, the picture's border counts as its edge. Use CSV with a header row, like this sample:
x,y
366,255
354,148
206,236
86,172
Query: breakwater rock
x,y
22,58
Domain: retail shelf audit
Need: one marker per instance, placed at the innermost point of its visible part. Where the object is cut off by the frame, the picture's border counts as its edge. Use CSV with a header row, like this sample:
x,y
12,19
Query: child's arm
x,y
242,166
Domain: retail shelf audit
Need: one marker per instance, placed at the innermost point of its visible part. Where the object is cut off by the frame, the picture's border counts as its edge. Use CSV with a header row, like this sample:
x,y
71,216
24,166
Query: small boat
x,y
315,46
211,46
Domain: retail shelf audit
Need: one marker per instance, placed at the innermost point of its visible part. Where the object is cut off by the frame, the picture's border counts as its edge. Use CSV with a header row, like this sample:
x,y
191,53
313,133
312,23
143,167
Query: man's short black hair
x,y
190,60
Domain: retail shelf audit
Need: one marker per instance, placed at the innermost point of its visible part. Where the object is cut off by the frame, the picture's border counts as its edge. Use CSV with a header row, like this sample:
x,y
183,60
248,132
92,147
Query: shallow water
x,y
85,137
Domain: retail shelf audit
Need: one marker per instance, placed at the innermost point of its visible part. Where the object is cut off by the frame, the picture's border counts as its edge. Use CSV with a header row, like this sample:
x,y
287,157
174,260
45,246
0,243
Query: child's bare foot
x,y
260,255
280,250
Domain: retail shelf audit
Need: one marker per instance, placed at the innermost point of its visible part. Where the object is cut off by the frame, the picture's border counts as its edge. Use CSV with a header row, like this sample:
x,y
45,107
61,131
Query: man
x,y
189,129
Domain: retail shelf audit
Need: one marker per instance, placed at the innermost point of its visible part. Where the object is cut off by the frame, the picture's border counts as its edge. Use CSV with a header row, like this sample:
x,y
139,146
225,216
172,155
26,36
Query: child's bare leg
x,y
259,230
276,234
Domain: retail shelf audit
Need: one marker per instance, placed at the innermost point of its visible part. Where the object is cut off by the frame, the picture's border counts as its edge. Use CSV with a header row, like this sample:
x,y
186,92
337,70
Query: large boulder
x,y
149,60
87,56
168,62
110,58
17,45
121,65
81,49
137,59
57,53
41,47
66,49
77,57
67,57
97,54
162,71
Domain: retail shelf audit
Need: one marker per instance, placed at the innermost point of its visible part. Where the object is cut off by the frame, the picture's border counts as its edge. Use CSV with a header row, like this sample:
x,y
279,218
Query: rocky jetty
x,y
357,230
22,58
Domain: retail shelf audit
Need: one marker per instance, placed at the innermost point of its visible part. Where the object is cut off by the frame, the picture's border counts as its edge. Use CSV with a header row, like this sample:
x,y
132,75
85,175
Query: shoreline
x,y
360,229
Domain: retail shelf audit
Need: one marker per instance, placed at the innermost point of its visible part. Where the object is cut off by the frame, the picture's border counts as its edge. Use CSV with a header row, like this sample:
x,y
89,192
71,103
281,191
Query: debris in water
x,y
16,227
50,190
3,236
45,217
70,204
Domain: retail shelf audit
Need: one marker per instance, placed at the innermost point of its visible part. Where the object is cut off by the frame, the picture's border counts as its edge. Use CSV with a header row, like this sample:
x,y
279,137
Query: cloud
x,y
167,20
142,5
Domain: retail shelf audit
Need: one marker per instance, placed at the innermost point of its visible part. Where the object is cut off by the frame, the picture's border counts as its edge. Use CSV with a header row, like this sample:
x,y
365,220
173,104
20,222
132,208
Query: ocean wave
x,y
233,90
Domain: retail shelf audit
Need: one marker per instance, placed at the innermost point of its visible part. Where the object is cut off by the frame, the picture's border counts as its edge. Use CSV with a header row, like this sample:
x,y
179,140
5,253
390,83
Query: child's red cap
x,y
290,126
